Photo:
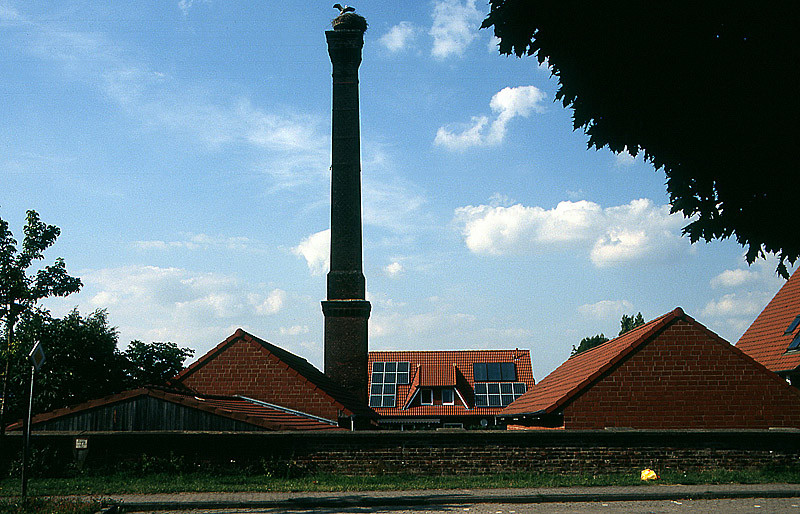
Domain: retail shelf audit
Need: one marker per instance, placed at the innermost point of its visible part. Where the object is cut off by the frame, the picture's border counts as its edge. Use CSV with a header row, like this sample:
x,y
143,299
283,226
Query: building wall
x,y
437,452
683,379
247,368
143,413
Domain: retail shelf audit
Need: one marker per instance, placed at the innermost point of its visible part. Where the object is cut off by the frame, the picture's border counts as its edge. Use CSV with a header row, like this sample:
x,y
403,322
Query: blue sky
x,y
183,149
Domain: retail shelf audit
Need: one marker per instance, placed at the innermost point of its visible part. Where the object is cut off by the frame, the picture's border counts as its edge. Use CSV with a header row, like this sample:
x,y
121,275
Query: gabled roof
x,y
441,368
767,339
317,379
248,411
579,371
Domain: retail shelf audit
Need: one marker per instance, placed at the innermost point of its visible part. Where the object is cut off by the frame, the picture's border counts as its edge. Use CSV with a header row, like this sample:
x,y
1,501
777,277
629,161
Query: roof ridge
x,y
629,343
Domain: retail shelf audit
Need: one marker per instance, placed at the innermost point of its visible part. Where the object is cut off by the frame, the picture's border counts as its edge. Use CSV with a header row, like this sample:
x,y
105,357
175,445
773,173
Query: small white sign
x,y
37,356
81,444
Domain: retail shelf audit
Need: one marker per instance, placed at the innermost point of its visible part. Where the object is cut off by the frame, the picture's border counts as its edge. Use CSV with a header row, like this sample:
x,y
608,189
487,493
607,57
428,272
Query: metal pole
x,y
26,448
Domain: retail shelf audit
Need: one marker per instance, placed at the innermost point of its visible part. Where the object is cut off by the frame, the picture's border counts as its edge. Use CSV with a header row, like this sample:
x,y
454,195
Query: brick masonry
x,y
444,452
247,368
683,378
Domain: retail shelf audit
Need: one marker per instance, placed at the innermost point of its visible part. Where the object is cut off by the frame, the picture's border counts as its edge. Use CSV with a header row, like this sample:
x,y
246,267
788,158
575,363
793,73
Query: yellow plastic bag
x,y
649,474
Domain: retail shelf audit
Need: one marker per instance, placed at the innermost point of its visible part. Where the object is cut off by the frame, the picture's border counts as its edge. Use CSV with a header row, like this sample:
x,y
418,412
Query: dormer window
x,y
448,398
426,396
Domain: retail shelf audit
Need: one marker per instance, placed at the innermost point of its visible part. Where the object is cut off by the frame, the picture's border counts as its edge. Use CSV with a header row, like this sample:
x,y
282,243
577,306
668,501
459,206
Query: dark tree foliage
x,y
20,292
587,343
154,363
628,323
84,362
706,90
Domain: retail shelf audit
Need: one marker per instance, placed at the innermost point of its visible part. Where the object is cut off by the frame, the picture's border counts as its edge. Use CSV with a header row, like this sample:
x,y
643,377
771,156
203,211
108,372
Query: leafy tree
x,y
587,343
628,323
19,291
154,363
705,91
84,362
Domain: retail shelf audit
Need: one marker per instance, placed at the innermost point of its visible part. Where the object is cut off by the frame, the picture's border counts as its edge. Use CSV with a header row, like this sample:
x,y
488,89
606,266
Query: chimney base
x,y
346,344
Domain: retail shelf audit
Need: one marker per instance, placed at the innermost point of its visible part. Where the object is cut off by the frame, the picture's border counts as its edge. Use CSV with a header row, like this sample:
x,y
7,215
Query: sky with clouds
x,y
183,148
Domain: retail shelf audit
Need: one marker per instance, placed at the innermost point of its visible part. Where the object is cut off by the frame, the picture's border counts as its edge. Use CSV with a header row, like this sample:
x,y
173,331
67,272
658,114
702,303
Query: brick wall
x,y
437,453
247,368
685,378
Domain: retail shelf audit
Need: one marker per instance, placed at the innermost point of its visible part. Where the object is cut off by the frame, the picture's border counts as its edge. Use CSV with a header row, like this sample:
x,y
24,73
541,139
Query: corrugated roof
x,y
317,379
437,366
580,370
241,409
766,339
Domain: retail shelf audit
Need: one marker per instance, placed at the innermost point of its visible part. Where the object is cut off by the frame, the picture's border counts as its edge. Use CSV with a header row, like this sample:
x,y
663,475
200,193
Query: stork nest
x,y
349,21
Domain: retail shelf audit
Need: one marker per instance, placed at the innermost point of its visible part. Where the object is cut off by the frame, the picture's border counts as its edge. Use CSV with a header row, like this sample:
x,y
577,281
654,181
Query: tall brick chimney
x,y
346,309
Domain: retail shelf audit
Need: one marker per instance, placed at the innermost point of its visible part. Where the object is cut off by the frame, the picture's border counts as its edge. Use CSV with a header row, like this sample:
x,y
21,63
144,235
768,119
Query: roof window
x,y
795,344
793,325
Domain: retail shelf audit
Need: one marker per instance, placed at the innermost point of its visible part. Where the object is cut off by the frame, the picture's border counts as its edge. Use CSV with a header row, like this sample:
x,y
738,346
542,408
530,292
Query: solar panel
x,y
793,325
382,384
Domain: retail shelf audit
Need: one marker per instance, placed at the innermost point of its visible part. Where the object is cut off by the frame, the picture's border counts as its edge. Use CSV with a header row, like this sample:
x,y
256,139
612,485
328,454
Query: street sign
x,y
37,355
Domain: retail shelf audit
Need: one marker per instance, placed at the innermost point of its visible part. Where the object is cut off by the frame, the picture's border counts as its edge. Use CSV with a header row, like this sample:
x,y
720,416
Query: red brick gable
x,y
580,370
246,365
766,339
675,373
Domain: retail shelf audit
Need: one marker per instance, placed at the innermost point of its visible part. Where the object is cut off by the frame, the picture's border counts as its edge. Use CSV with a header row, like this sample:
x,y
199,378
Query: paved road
x,y
725,506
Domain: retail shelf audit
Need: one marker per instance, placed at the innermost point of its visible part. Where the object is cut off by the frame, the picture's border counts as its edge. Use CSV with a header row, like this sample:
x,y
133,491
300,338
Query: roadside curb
x,y
131,503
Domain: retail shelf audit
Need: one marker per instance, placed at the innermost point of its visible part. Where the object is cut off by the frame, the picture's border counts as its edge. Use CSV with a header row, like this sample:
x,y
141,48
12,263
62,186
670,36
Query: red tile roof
x,y
765,340
242,409
316,379
579,371
445,368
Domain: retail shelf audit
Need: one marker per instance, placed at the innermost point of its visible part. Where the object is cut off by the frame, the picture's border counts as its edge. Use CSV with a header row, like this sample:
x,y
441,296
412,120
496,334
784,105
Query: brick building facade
x,y
669,373
249,366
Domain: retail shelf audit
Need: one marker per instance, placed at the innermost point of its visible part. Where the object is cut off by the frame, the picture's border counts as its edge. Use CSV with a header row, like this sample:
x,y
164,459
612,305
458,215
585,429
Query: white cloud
x,y
735,278
399,37
624,158
294,330
316,250
735,305
393,269
272,304
8,13
391,204
747,292
606,309
455,26
508,103
292,146
198,242
613,236
153,303
185,5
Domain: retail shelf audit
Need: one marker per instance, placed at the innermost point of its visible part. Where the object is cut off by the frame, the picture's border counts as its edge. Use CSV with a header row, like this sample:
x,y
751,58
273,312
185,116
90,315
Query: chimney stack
x,y
346,309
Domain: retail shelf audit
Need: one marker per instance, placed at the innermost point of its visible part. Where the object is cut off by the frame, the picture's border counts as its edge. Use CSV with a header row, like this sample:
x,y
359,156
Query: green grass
x,y
89,484
49,506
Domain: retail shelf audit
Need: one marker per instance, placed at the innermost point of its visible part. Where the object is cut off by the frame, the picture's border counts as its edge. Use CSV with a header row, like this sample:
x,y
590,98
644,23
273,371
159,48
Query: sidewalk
x,y
450,496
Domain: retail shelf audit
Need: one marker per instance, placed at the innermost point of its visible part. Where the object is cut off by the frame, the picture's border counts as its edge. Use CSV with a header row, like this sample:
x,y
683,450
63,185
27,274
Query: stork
x,y
343,8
